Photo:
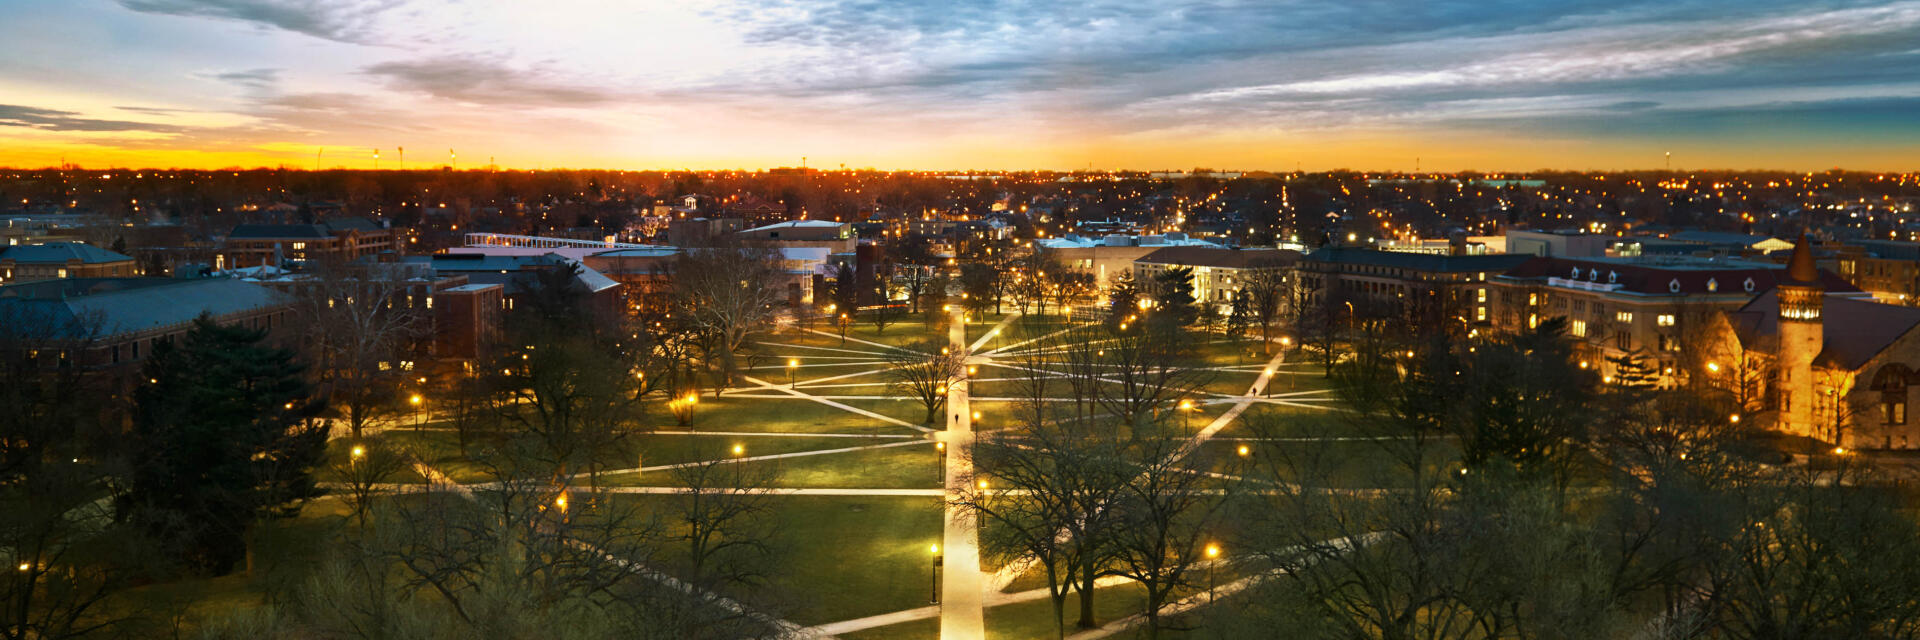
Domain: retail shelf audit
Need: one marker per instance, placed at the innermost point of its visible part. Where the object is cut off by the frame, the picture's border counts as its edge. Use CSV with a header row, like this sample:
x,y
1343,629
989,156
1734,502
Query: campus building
x,y
56,260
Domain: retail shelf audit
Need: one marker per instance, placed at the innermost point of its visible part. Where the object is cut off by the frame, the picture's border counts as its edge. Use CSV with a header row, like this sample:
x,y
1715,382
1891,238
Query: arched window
x,y
1891,382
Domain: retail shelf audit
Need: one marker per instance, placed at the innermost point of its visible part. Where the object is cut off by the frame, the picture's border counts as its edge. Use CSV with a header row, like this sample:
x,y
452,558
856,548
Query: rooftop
x,y
133,305
60,253
1495,262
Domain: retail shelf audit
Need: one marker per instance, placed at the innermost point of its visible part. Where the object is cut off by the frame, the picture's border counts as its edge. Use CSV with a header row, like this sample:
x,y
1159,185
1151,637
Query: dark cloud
x,y
483,82
55,120
340,20
250,78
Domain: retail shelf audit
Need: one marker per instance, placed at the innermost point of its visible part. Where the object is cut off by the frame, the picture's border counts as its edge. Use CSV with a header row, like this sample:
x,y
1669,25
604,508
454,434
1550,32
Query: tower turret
x,y
1802,336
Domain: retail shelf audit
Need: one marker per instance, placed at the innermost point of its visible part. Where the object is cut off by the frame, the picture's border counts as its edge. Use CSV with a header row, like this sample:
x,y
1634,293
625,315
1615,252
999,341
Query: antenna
x,y
316,157
403,158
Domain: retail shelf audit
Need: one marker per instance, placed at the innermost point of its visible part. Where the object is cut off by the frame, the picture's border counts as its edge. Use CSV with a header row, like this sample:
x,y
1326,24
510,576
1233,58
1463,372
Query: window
x,y
1664,320
1533,321
1892,383
429,302
63,273
299,246
1480,296
1579,328
1533,299
1480,314
1624,317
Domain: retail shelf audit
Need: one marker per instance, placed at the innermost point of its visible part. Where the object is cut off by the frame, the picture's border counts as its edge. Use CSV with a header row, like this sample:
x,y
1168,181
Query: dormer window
x,y
1576,273
1613,277
1674,286
1748,285
1712,285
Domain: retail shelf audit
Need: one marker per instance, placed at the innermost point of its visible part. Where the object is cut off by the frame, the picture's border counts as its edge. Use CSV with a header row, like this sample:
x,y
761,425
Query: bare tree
x,y
727,293
923,371
1265,287
724,520
361,323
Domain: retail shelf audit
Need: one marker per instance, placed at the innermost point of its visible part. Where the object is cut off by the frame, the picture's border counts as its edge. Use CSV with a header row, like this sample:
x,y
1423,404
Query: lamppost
x,y
1213,558
940,470
415,400
1186,414
791,364
933,585
357,453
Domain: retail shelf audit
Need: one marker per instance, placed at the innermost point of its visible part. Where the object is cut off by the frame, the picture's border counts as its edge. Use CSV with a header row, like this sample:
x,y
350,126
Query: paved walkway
x,y
963,587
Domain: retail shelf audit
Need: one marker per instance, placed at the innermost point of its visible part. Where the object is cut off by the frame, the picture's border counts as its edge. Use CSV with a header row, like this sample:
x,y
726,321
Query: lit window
x,y
1533,321
299,246
429,302
1480,314
1480,295
1533,299
63,273
1579,328
1664,320
1623,317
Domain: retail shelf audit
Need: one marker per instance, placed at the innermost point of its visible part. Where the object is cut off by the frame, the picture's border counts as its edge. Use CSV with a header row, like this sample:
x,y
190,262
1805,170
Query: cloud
x,y
258,79
338,20
55,120
483,82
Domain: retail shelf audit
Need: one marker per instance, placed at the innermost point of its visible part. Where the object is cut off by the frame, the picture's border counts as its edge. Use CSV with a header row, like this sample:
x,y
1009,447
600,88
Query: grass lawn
x,y
904,467
847,557
1032,619
784,415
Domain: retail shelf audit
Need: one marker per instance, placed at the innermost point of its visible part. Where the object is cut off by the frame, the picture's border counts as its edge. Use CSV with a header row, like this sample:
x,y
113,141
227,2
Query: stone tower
x,y
1801,338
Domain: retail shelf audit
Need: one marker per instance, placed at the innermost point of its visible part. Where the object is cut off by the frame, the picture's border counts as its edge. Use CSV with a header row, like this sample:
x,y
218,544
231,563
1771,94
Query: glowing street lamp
x,y
1244,451
415,400
1213,559
791,364
933,592
940,468
739,450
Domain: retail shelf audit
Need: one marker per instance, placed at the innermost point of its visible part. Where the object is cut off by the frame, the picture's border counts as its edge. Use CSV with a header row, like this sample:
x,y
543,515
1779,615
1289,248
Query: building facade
x,y
58,260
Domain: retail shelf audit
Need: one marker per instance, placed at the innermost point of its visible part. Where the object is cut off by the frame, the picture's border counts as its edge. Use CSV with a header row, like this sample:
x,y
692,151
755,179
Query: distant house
x,y
341,240
56,260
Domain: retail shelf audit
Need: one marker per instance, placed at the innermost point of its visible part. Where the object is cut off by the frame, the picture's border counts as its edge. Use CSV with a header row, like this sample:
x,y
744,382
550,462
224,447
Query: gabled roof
x,y
1496,262
60,253
799,224
1659,278
1217,257
252,231
321,230
132,305
1854,330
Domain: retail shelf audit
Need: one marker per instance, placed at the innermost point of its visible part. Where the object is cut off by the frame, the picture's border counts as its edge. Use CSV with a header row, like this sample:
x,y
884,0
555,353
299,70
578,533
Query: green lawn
x,y
903,467
848,557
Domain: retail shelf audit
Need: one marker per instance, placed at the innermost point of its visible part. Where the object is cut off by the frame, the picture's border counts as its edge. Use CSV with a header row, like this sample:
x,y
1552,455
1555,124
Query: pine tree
x,y
1123,298
224,437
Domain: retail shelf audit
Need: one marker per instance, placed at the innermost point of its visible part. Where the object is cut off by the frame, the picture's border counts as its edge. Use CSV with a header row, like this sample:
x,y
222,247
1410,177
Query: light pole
x,y
1186,414
933,585
415,401
1213,555
940,469
791,364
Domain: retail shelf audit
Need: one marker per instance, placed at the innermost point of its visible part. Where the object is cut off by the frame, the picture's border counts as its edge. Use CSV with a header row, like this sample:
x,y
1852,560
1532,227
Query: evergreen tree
x,y
224,436
1123,298
1173,297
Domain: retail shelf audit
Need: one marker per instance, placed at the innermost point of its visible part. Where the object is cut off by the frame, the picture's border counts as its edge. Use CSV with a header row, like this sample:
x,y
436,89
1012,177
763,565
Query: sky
x,y
1445,85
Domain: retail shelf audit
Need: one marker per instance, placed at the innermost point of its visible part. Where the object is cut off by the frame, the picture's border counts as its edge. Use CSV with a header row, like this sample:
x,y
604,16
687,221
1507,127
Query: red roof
x,y
1854,330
